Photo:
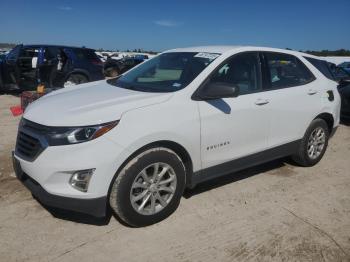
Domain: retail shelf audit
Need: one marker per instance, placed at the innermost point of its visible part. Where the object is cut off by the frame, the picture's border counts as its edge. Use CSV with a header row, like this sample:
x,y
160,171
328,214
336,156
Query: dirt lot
x,y
273,212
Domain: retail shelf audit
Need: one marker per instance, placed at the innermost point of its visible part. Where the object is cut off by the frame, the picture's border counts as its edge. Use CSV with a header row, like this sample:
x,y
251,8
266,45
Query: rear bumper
x,y
95,206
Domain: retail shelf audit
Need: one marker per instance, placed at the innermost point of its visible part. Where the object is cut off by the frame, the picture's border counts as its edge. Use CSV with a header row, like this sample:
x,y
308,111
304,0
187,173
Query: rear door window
x,y
85,54
284,70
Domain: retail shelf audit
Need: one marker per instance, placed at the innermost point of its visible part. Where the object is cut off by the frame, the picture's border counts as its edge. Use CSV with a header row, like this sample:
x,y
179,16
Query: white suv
x,y
134,143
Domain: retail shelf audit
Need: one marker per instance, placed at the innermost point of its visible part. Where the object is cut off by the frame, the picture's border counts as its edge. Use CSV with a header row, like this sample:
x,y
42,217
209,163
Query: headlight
x,y
73,135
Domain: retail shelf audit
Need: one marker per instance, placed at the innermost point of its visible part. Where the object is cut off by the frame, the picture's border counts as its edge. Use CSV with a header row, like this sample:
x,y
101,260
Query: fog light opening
x,y
80,179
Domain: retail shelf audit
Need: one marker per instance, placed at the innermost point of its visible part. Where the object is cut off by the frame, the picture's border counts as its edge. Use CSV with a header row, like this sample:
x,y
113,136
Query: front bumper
x,y
48,175
93,206
96,206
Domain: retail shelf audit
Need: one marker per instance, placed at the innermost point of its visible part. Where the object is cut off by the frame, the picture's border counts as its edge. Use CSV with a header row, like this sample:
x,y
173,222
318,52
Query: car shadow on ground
x,y
77,217
345,122
200,188
236,176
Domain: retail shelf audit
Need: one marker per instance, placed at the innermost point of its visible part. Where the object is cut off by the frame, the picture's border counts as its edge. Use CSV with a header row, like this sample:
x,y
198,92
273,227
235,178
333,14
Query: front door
x,y
232,128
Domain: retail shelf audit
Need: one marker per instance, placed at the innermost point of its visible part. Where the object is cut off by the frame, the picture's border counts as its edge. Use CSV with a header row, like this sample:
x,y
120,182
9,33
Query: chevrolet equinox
x,y
132,144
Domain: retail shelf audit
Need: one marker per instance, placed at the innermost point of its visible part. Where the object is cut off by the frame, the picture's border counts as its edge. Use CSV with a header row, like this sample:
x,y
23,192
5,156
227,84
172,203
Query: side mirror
x,y
217,90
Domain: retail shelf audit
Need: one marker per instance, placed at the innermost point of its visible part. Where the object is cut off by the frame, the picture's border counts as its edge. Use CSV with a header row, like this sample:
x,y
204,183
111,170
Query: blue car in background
x,y
26,66
345,66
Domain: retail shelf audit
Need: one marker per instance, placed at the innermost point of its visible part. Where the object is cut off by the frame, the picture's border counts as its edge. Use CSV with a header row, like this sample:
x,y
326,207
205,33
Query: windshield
x,y
167,72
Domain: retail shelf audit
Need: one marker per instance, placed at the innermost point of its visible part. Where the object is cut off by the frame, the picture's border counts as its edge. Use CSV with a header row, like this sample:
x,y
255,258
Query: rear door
x,y
293,95
87,60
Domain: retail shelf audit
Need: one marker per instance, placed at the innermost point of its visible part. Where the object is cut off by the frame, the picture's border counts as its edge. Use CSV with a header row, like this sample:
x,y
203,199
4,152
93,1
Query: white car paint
x,y
150,117
89,104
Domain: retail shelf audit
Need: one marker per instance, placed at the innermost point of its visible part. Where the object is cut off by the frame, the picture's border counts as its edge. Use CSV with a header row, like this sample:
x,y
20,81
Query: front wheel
x,y
313,145
149,188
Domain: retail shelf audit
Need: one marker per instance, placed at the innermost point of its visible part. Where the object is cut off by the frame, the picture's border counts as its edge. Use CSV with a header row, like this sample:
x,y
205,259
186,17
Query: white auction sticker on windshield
x,y
210,56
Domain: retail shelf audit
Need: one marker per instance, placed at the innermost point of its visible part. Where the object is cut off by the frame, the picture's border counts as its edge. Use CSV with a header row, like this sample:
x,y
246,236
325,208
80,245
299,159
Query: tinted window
x,y
52,52
87,54
285,70
29,52
322,66
241,71
345,65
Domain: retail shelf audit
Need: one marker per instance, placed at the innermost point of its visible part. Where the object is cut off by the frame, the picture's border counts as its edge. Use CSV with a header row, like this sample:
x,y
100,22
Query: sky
x,y
159,25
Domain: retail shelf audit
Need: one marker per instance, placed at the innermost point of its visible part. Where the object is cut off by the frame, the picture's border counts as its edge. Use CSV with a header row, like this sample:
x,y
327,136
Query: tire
x,y
75,79
112,71
305,158
131,184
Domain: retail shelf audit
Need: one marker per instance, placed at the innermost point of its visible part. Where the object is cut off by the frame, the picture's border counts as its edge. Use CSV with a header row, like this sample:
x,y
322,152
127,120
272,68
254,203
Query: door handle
x,y
311,92
261,102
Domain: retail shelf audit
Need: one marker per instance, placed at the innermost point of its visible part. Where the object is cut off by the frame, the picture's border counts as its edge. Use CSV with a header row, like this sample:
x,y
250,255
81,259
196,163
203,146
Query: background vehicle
x,y
55,66
344,91
141,57
343,78
345,66
118,56
184,117
102,58
113,68
340,73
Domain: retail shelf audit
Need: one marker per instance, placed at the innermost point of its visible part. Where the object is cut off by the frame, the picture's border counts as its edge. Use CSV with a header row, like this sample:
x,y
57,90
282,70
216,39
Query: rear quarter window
x,y
85,54
322,66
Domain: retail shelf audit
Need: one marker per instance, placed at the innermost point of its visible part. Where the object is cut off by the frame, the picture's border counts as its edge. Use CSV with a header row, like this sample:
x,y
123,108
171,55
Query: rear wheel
x,y
149,188
112,71
75,79
313,145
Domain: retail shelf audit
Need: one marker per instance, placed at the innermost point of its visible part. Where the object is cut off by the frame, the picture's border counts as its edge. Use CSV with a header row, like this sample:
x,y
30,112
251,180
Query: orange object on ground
x,y
16,110
40,89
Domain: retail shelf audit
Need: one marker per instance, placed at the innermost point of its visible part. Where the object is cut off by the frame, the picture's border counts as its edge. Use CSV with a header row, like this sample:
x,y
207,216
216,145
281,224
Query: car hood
x,y
88,104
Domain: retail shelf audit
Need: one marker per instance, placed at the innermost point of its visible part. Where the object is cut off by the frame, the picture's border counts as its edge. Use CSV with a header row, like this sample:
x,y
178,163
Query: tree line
x,y
339,52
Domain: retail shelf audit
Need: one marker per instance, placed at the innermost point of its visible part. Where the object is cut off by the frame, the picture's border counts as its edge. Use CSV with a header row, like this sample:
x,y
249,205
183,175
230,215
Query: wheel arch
x,y
328,118
174,146
78,72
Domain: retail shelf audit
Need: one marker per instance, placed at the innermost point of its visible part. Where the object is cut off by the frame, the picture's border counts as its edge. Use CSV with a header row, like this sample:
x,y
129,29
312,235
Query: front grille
x,y
29,144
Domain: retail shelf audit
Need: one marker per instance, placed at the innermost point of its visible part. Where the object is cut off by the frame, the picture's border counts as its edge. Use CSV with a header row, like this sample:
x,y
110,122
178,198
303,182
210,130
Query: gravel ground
x,y
273,212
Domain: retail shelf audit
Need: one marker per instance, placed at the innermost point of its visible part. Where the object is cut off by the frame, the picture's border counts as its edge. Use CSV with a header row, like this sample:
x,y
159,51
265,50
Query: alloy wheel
x,y
153,188
316,143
